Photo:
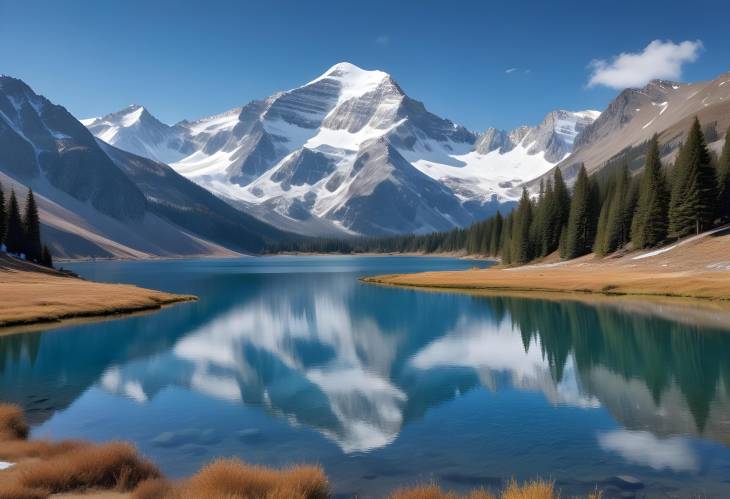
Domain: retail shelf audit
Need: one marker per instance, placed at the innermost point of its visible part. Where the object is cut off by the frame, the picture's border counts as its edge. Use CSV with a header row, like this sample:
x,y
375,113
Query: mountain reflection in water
x,y
359,363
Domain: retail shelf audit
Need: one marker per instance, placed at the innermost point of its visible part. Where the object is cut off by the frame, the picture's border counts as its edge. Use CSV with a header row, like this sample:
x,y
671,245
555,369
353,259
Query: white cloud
x,y
510,70
382,40
663,60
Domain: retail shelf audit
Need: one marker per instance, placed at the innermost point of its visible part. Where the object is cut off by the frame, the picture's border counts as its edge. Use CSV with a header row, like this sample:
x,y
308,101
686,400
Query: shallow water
x,y
291,359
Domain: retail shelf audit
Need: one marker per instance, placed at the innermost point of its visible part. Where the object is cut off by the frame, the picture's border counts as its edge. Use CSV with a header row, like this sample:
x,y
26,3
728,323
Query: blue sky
x,y
190,59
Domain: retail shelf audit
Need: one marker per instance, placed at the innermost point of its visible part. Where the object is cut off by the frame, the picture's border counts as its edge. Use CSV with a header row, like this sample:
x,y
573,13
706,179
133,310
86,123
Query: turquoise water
x,y
292,360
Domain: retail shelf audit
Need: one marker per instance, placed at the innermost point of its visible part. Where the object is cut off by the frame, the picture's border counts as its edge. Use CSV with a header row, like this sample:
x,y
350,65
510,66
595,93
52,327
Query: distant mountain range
x,y
349,153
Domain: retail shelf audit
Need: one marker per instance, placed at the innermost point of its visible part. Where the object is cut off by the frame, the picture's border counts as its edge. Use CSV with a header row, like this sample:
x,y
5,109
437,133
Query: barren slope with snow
x,y
349,152
663,107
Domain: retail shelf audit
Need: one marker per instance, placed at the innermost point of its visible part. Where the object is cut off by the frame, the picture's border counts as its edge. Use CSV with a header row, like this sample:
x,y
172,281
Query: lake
x,y
293,360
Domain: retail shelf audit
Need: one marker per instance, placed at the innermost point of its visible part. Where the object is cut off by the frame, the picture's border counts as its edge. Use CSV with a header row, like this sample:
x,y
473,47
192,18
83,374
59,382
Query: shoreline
x,y
702,287
696,268
45,321
34,297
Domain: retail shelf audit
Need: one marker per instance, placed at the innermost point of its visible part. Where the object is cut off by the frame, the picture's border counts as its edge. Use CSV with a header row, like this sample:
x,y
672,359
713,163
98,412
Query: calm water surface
x,y
291,359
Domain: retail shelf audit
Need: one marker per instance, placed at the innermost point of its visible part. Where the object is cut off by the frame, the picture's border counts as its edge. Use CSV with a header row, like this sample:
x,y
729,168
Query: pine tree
x,y
617,225
15,238
3,216
723,180
537,228
557,208
694,187
600,245
32,228
563,243
582,218
651,218
506,239
630,202
546,208
520,252
495,242
46,258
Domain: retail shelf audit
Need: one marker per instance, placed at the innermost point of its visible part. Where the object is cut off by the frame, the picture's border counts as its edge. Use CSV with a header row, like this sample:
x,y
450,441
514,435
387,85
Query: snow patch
x,y
655,253
354,81
133,117
217,123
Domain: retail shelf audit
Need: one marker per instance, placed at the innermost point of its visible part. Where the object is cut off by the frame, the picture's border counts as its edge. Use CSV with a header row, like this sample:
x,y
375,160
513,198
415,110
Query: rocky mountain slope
x,y
663,107
97,201
349,152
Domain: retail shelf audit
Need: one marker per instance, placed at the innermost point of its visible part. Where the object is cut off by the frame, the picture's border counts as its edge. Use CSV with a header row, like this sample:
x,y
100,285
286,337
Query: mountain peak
x,y
346,69
132,114
127,117
353,77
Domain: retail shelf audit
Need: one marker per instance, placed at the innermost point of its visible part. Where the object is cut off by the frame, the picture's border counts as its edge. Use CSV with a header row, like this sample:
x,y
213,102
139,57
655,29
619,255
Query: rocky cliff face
x,y
43,142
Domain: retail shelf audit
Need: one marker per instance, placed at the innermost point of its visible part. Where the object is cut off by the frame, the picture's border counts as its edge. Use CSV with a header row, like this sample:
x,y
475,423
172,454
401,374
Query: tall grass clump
x,y
233,479
42,468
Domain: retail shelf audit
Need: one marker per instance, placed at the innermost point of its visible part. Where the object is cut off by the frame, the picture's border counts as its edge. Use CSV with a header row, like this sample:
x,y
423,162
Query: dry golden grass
x,y
28,297
114,466
154,489
434,492
535,489
696,268
15,450
12,423
233,479
14,490
44,468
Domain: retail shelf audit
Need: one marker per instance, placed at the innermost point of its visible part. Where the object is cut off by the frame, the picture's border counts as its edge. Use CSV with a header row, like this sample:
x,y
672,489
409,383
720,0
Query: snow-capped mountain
x,y
349,152
135,130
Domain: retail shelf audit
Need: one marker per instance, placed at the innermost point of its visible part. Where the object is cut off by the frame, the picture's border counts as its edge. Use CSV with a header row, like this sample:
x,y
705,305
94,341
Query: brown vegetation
x,y
435,492
12,423
536,489
44,468
234,479
33,294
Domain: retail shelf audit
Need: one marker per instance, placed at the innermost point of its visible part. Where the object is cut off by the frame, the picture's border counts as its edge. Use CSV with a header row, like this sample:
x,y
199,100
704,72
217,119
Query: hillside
x,y
635,115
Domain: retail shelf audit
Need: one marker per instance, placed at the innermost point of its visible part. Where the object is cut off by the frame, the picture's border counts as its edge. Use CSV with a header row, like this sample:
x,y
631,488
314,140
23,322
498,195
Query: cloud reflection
x,y
643,448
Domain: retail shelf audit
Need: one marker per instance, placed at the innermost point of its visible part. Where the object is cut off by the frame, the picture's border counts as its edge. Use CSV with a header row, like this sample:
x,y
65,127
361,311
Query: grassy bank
x,y
697,268
37,469
30,294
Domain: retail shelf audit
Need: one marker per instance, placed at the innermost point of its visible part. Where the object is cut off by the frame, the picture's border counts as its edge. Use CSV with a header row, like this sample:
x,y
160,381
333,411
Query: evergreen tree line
x,y
601,214
21,235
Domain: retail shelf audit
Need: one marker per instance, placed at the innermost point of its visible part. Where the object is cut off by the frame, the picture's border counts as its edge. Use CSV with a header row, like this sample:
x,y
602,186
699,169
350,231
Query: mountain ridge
x,y
95,202
243,155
